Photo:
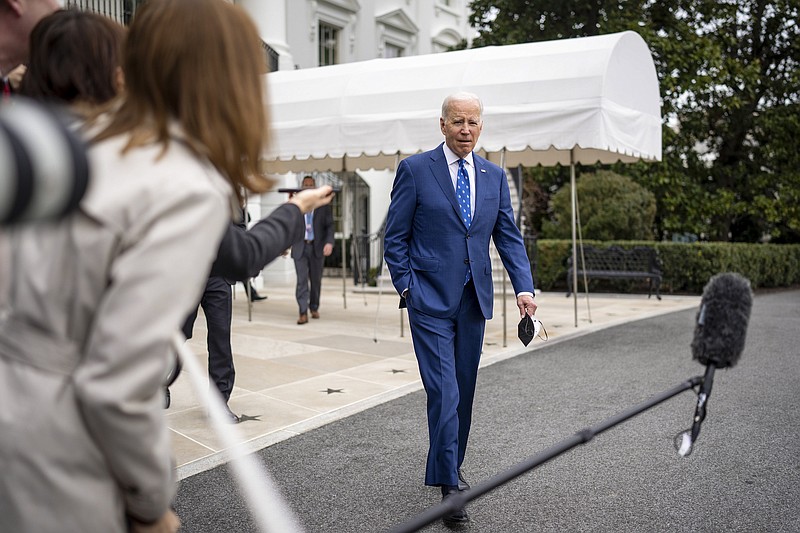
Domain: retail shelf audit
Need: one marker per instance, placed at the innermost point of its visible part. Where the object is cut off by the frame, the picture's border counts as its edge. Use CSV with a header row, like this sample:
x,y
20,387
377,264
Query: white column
x,y
270,18
279,272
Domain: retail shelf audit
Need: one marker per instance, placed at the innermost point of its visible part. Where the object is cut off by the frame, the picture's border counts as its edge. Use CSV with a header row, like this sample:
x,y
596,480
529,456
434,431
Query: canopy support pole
x,y
247,288
574,197
583,258
505,313
344,238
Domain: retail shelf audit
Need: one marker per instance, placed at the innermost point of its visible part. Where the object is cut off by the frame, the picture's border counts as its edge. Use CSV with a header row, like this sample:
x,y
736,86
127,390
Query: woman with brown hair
x,y
95,298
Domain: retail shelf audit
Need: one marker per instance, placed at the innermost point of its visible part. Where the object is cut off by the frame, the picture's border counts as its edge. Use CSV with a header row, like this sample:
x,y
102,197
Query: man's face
x,y
462,126
308,183
25,14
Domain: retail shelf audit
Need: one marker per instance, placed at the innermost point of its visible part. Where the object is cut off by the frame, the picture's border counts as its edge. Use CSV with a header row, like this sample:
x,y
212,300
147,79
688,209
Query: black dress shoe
x,y
255,297
457,517
167,398
463,484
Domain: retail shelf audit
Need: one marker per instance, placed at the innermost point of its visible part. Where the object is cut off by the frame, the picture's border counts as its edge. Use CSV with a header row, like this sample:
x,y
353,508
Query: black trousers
x,y
216,304
309,279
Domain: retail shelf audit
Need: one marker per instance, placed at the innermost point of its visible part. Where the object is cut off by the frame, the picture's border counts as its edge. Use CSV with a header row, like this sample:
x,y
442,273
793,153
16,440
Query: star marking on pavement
x,y
394,371
333,391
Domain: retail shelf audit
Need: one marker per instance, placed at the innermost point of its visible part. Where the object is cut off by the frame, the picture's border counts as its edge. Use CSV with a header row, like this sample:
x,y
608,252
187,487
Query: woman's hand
x,y
309,199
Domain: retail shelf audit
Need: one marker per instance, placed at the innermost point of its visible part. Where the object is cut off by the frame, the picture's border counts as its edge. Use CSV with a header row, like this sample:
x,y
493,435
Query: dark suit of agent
x,y
218,311
309,255
440,220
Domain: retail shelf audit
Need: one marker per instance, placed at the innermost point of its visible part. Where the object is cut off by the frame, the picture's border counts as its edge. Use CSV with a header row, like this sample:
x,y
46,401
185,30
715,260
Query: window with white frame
x,y
393,50
396,34
328,36
333,26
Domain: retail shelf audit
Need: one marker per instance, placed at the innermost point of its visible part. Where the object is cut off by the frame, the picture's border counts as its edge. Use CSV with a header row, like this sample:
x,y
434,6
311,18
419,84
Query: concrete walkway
x,y
292,378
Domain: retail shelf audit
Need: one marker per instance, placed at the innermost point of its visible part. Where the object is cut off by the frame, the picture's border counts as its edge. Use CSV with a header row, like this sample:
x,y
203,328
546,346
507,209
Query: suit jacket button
x,y
466,261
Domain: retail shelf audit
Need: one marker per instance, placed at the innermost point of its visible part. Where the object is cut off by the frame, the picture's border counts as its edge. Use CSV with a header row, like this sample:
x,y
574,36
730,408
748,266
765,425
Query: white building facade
x,y
312,33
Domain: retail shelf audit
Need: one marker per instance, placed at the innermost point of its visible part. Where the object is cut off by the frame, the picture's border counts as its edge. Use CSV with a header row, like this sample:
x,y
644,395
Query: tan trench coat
x,y
87,307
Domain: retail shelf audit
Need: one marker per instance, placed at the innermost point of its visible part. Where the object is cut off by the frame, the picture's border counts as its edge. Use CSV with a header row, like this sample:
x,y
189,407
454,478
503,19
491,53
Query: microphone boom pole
x,y
457,501
720,332
702,401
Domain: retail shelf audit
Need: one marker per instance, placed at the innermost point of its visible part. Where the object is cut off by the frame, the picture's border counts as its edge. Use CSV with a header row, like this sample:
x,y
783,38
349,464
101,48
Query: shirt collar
x,y
451,156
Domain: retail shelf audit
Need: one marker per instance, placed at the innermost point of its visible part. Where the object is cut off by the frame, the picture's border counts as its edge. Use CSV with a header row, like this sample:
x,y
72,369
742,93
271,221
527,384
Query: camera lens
x,y
44,171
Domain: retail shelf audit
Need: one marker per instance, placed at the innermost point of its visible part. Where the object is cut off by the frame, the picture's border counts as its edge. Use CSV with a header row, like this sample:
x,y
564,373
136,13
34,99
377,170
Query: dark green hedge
x,y
686,268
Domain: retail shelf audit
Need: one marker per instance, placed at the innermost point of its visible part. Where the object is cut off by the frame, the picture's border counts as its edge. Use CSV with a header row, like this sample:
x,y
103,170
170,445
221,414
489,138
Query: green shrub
x,y
685,267
612,207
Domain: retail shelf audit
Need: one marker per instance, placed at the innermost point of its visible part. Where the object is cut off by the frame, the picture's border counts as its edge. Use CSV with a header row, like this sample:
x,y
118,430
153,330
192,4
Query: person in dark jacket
x,y
241,255
309,254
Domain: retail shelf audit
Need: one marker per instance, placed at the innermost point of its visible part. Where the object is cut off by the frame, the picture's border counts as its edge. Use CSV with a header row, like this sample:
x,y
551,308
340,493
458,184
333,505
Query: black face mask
x,y
528,329
525,330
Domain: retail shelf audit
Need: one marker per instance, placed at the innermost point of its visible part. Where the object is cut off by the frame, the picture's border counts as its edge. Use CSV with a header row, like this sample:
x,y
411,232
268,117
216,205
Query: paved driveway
x,y
364,473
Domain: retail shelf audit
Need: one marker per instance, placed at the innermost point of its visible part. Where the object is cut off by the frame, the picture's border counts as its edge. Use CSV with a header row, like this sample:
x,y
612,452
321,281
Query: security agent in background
x,y
309,255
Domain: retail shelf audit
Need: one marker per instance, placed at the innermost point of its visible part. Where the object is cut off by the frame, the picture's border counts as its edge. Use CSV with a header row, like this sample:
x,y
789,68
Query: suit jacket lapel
x,y
480,183
441,174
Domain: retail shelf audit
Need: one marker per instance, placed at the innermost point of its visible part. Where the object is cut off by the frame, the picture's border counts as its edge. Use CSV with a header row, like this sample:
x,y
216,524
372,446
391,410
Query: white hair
x,y
461,96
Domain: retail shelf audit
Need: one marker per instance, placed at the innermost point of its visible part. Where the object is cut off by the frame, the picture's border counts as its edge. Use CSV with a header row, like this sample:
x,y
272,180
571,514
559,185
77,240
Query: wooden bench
x,y
614,262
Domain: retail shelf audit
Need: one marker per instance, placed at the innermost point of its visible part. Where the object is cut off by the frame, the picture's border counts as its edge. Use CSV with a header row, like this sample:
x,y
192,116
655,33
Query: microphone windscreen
x,y
721,324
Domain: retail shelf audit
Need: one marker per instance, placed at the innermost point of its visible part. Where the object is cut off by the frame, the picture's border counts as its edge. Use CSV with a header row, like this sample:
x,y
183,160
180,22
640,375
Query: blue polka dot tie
x,y
462,193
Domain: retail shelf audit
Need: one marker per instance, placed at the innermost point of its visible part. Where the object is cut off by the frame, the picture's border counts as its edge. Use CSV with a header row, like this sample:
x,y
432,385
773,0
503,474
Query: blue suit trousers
x,y
448,352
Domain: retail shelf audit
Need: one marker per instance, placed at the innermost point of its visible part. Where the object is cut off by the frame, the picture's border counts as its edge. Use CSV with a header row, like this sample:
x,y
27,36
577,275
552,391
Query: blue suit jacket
x,y
427,243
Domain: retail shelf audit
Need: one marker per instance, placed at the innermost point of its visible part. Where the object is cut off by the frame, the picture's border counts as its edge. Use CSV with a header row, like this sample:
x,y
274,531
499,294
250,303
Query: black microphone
x,y
719,337
44,171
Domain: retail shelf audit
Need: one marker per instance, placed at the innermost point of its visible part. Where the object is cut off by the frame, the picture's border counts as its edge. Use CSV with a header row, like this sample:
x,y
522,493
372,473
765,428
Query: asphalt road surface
x,y
365,473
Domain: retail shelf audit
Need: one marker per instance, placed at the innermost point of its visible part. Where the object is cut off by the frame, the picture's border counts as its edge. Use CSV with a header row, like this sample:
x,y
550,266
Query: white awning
x,y
595,96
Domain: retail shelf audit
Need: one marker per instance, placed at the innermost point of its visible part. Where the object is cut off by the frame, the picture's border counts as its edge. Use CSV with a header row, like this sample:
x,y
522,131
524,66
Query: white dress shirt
x,y
469,166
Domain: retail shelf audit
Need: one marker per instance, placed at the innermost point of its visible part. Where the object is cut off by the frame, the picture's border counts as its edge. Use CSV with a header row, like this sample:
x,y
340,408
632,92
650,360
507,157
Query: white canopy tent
x,y
594,97
582,100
